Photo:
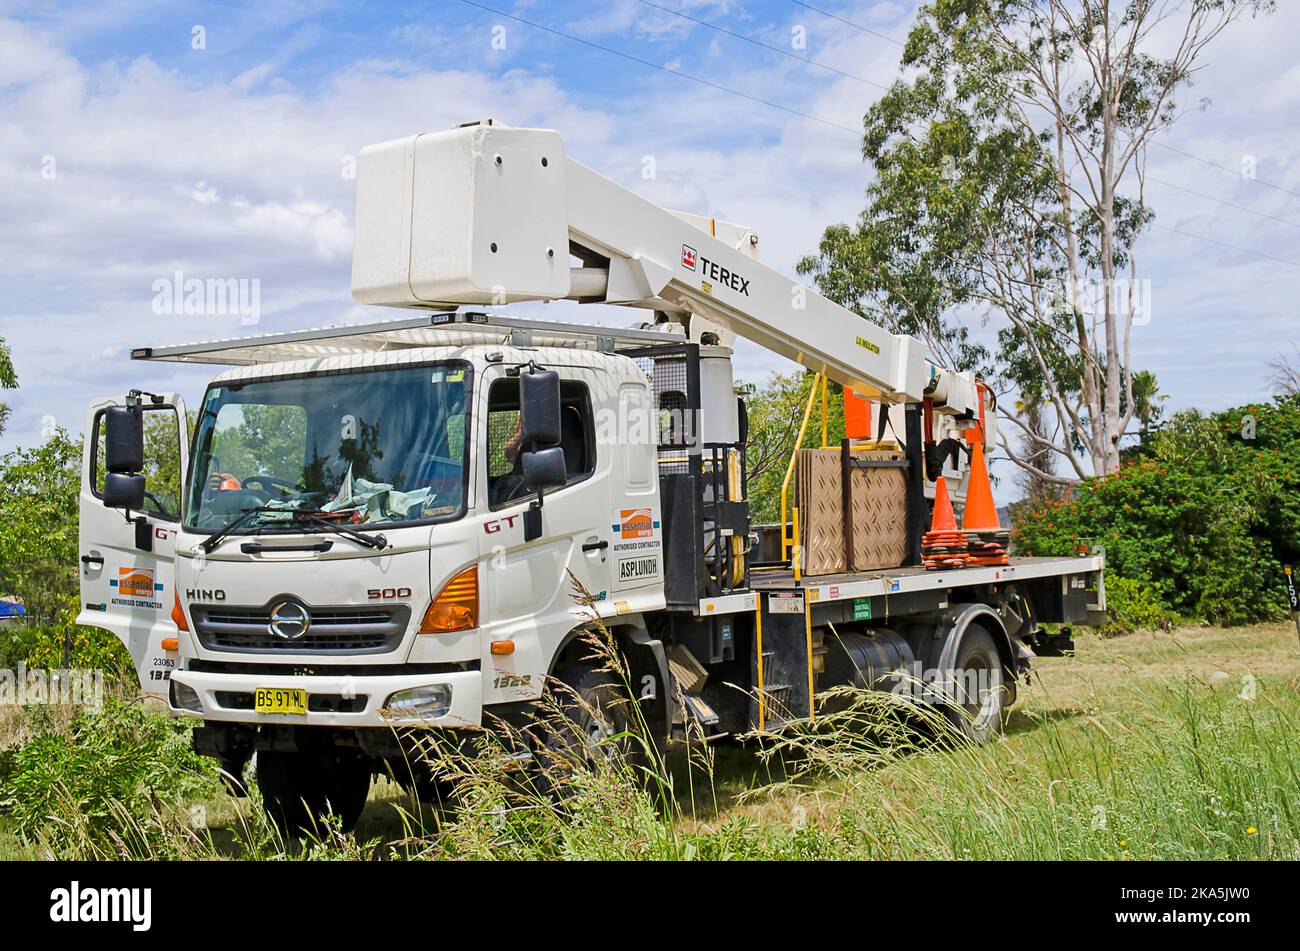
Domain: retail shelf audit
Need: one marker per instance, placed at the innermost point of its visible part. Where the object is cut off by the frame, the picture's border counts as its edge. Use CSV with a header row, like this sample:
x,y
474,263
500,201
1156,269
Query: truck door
x,y
575,514
128,564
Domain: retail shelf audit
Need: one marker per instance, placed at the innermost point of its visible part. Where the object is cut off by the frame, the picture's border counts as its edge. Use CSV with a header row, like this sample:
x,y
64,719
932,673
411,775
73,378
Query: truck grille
x,y
344,630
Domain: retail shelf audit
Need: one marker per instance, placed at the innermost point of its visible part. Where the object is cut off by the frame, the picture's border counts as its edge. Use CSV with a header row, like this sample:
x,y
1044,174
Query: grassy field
x,y
1154,745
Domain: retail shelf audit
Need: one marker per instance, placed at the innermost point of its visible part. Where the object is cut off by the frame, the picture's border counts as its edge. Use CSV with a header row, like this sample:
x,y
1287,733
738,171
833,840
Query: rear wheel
x,y
300,789
980,684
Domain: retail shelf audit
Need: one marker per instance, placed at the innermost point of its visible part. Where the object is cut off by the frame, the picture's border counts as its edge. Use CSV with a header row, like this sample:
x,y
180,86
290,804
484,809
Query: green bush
x,y
1134,605
109,786
1201,518
38,526
88,648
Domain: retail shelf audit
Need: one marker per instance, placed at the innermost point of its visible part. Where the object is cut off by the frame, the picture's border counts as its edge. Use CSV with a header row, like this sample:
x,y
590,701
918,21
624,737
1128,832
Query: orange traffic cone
x,y
981,514
943,546
987,541
944,520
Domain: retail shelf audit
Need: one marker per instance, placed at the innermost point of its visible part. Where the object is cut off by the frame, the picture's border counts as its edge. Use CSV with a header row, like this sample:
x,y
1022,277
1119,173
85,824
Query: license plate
x,y
280,700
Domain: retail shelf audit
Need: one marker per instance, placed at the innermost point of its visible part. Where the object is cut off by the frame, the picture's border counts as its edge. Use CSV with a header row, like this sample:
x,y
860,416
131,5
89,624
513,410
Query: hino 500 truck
x,y
378,528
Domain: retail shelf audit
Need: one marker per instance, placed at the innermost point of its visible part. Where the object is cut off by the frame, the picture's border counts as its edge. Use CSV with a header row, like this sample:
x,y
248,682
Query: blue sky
x,y
225,162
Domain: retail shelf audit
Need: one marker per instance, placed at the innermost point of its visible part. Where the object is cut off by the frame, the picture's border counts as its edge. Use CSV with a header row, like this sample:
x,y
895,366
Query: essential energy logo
x,y
136,588
636,523
76,904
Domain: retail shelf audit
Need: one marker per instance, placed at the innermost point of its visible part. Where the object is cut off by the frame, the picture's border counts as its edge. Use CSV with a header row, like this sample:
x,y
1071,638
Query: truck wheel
x,y
300,789
436,791
594,707
981,683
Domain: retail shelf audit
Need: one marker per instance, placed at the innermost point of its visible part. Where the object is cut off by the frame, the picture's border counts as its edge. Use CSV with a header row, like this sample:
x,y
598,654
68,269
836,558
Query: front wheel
x,y
593,721
981,693
300,789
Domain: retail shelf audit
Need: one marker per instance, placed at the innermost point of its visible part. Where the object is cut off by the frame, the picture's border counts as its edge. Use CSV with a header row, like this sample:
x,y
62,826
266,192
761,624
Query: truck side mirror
x,y
124,439
542,459
123,491
539,408
124,485
543,468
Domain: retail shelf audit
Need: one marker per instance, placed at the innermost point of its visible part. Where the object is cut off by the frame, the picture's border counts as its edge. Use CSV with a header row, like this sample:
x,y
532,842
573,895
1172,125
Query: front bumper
x,y
222,696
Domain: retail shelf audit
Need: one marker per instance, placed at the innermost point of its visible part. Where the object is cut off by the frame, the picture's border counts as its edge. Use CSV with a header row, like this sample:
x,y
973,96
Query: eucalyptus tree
x,y
1010,164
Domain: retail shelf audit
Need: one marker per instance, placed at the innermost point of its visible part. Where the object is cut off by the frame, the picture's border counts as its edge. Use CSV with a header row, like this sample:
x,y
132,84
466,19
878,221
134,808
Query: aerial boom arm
x,y
486,214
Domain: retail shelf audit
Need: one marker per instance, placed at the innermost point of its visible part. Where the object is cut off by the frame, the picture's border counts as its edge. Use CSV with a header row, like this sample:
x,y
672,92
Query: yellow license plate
x,y
279,700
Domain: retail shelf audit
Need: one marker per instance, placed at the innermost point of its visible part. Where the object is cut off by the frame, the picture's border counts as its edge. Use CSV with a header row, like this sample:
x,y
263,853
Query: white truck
x,y
375,526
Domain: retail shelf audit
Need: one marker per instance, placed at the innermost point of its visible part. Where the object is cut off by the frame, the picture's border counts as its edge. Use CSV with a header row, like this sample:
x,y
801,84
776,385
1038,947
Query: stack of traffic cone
x,y
986,539
943,546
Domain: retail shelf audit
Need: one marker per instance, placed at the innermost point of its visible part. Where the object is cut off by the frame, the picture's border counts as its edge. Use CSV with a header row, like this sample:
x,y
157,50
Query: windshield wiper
x,y
314,518
377,542
243,518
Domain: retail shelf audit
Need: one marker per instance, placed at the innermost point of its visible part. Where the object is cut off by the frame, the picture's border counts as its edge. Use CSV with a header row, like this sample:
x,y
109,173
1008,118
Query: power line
x,y
1224,168
1224,244
856,26
1230,204
766,46
665,69
840,72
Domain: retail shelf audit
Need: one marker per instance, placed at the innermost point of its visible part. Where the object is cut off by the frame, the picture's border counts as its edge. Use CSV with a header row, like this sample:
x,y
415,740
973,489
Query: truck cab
x,y
361,543
365,492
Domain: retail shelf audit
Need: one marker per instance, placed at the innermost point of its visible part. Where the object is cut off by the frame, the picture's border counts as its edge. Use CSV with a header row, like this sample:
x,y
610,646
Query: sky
x,y
141,139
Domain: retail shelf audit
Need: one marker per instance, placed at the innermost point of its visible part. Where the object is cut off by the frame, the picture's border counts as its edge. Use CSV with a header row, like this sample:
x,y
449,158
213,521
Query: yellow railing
x,y
826,416
786,540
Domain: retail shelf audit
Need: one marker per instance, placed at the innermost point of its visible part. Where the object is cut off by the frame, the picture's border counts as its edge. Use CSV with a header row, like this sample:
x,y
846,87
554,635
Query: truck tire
x,y
300,789
982,682
593,707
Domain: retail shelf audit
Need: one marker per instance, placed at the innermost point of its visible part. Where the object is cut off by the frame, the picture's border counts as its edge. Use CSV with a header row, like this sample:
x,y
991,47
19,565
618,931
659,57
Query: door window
x,y
577,439
162,461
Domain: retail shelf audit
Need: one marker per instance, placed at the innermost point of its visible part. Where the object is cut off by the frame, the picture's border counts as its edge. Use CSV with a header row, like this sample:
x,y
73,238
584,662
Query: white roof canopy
x,y
425,330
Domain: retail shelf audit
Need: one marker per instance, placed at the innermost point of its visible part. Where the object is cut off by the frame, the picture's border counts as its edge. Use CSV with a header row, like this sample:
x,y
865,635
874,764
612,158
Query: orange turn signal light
x,y
503,647
178,618
456,606
171,644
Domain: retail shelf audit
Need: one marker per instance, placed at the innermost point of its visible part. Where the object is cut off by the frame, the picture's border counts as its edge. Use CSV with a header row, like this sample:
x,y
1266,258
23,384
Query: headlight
x,y
420,703
184,697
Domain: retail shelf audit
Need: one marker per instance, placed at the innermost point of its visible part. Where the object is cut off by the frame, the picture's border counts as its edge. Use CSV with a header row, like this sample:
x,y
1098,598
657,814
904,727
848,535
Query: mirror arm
x,y
133,398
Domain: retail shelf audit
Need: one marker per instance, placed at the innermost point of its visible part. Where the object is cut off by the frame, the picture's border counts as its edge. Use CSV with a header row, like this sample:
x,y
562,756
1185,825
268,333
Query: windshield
x,y
359,448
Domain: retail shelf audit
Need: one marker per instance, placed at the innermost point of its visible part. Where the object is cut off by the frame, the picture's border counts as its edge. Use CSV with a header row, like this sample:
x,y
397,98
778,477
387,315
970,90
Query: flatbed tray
x,y
866,584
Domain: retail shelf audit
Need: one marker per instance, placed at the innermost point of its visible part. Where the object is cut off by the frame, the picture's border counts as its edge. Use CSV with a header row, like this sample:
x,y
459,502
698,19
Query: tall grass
x,y
1193,772
1182,769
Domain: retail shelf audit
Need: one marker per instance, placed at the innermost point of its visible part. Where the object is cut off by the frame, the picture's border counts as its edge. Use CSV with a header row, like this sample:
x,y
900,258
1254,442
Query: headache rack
x,y
702,485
